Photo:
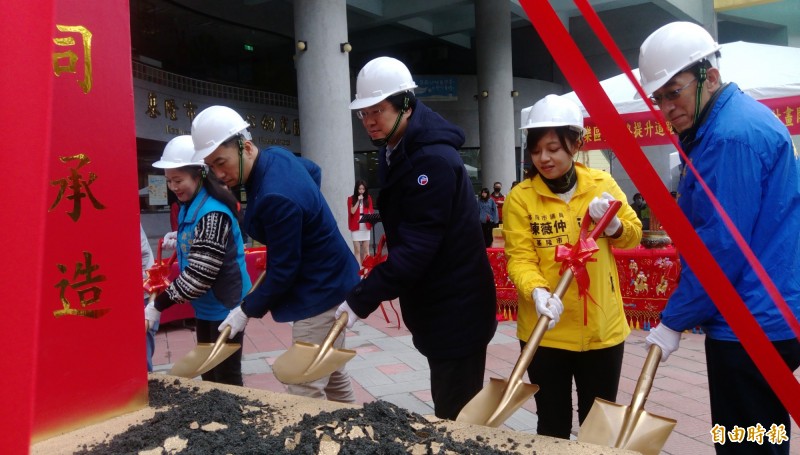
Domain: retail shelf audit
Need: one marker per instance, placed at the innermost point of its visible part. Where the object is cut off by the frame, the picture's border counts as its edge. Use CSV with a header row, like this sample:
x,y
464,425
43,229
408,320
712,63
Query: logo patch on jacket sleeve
x,y
422,180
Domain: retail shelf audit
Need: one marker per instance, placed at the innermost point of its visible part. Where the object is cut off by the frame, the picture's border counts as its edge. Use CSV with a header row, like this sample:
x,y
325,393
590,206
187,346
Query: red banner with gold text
x,y
647,130
90,358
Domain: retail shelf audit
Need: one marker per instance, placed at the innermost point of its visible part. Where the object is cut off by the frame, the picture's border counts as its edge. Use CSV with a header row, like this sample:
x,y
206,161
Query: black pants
x,y
454,382
596,374
230,370
487,233
740,396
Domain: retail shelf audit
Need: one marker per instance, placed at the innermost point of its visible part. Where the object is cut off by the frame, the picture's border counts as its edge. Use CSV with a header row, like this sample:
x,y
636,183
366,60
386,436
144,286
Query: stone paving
x,y
387,367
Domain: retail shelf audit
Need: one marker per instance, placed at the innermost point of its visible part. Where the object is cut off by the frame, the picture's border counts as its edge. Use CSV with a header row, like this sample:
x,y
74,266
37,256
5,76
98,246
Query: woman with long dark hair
x,y
360,203
210,252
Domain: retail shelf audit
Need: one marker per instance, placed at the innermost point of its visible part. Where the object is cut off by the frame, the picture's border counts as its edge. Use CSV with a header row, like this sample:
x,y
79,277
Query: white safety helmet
x,y
178,153
551,111
671,49
379,79
213,126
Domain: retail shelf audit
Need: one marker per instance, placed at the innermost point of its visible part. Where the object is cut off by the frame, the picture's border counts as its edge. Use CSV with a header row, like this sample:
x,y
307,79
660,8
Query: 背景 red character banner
x,y
89,358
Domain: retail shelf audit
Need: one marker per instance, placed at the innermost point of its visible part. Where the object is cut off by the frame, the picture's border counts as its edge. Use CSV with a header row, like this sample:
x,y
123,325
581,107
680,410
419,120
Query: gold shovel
x,y
500,398
206,356
306,362
629,427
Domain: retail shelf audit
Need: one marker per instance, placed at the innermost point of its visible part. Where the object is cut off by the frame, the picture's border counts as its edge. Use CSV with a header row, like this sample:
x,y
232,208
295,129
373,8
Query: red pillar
x,y
72,269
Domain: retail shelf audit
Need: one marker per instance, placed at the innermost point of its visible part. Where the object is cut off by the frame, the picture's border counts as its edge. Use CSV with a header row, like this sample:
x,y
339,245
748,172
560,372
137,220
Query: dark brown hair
x,y
566,135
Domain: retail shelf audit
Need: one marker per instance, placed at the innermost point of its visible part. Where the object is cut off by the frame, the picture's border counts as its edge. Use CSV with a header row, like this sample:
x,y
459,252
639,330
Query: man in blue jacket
x,y
310,267
747,158
437,263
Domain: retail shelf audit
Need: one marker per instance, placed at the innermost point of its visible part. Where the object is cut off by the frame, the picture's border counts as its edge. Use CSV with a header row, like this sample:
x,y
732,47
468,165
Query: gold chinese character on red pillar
x,y
72,57
85,284
77,185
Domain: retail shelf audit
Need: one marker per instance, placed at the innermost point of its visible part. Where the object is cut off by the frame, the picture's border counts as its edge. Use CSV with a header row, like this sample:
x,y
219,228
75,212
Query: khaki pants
x,y
337,386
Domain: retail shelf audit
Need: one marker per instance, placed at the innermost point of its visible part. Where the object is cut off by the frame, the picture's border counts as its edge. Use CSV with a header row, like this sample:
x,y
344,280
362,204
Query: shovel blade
x,y
606,420
305,362
493,405
200,359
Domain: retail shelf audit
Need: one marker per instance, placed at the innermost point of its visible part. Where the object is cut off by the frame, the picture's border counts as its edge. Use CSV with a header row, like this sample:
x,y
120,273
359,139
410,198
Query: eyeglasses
x,y
364,114
670,96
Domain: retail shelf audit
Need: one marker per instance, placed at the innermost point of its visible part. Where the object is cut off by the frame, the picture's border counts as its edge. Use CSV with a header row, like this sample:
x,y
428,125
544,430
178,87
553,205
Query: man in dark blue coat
x,y
310,267
437,263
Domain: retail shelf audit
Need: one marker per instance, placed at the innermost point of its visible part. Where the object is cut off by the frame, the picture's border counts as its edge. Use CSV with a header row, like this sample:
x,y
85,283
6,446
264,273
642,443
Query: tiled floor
x,y
387,367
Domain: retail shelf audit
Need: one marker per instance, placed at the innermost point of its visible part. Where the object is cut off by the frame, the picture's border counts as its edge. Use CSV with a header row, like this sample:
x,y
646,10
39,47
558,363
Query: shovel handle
x,y
226,332
526,356
645,382
639,397
333,333
602,223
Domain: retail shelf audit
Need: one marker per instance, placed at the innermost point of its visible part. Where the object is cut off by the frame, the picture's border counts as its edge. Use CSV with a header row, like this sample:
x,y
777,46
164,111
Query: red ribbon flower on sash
x,y
575,257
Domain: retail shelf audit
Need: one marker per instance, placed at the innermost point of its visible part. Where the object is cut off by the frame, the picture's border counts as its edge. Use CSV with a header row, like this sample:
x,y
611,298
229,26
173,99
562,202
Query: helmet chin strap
x,y
240,142
384,141
701,78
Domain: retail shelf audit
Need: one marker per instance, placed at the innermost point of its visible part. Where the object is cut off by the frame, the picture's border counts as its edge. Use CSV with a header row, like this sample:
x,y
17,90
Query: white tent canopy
x,y
761,70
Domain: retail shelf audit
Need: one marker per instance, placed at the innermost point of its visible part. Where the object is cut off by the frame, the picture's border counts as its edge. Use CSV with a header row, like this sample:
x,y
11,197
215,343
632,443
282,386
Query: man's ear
x,y
250,149
713,79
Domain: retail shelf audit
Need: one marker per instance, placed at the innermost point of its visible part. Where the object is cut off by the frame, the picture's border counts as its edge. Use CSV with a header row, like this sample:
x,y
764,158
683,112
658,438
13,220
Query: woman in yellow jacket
x,y
585,339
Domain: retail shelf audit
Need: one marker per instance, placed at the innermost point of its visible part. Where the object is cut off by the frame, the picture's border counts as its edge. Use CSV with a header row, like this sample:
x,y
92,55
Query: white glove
x,y
548,305
170,240
666,338
151,314
598,207
236,319
351,315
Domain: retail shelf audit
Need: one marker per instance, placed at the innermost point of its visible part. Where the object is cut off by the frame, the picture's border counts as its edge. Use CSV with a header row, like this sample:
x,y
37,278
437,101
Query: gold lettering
x,y
72,57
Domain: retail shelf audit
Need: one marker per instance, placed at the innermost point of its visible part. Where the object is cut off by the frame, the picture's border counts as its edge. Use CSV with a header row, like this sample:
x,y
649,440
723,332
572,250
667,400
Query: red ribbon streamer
x,y
575,257
581,77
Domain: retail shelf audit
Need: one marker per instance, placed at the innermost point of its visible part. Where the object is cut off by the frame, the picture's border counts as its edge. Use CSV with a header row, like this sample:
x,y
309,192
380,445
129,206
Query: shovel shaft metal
x,y
330,338
526,356
190,366
515,391
643,386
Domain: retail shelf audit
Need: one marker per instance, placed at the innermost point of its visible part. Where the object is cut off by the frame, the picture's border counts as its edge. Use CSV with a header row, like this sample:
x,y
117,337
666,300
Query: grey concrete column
x,y
323,97
496,111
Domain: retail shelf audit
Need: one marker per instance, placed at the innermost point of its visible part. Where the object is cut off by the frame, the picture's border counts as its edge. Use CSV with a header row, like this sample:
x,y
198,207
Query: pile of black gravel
x,y
218,422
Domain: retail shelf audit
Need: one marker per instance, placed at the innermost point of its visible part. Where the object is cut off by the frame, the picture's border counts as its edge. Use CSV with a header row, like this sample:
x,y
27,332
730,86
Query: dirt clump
x,y
188,421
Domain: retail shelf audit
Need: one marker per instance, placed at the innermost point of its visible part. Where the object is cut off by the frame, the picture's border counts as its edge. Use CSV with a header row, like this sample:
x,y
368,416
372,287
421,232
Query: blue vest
x,y
207,306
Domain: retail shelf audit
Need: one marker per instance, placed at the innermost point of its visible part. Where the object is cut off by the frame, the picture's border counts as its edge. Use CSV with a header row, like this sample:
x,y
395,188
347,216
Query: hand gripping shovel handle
x,y
561,288
225,333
